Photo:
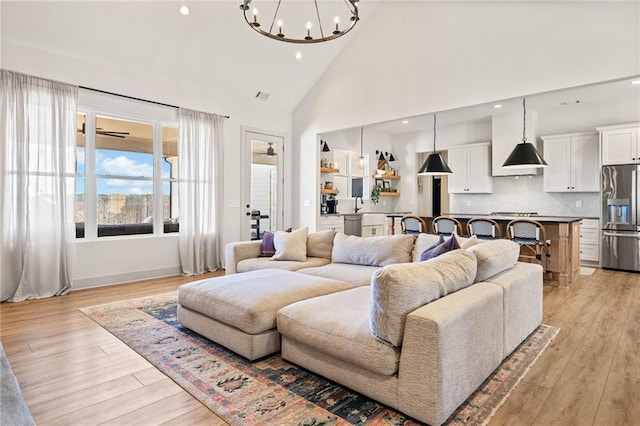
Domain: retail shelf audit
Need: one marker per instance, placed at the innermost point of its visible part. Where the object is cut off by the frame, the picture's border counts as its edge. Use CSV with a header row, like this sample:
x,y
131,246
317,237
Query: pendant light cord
x,y
361,151
434,133
524,120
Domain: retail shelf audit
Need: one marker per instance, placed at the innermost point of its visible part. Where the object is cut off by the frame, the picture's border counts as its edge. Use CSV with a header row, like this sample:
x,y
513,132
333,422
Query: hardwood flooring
x,y
73,372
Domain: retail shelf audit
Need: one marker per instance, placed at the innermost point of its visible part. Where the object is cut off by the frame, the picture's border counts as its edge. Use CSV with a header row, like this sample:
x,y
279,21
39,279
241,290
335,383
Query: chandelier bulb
x,y
255,17
280,34
337,21
308,37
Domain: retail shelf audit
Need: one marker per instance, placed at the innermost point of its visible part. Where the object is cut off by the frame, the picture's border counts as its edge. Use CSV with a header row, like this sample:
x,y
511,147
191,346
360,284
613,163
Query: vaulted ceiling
x,y
210,48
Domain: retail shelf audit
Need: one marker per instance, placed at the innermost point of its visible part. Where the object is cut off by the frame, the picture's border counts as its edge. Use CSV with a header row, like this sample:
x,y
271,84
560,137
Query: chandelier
x,y
315,32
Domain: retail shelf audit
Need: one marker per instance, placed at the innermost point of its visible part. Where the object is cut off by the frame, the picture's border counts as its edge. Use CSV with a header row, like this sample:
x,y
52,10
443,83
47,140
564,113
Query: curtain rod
x,y
133,98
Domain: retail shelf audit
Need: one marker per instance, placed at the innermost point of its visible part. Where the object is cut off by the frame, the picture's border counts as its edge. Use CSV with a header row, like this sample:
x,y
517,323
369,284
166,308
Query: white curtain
x,y
200,177
37,162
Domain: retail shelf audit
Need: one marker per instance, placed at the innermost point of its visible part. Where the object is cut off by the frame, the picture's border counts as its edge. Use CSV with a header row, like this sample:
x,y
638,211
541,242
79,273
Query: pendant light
x,y
325,147
435,164
524,155
361,158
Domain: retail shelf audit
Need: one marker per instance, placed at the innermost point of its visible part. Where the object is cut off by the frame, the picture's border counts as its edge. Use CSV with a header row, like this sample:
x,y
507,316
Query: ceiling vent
x,y
263,96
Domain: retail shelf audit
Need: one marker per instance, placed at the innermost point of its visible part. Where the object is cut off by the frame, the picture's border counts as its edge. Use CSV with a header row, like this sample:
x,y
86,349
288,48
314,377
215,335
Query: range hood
x,y
506,132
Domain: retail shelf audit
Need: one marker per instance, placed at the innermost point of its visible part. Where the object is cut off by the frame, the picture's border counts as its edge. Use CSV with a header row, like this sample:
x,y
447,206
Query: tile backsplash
x,y
525,194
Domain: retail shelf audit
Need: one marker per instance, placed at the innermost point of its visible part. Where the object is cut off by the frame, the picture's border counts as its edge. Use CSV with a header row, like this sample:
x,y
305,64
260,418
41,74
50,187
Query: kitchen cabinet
x,y
326,223
373,225
573,163
471,166
620,144
589,238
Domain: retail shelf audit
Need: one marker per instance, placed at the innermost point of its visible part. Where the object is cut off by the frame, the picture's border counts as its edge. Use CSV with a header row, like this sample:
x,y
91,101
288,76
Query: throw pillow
x,y
291,245
447,246
469,242
267,249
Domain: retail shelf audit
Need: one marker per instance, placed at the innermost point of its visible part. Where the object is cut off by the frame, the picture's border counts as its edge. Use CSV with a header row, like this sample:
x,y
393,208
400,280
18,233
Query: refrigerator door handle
x,y
613,234
634,196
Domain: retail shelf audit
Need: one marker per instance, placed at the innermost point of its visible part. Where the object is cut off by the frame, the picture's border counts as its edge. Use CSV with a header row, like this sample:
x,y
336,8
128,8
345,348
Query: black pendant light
x,y
325,147
435,164
524,155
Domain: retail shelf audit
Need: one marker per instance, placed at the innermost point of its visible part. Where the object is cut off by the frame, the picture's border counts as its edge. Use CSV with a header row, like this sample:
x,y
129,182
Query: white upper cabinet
x,y
471,166
620,144
573,163
506,132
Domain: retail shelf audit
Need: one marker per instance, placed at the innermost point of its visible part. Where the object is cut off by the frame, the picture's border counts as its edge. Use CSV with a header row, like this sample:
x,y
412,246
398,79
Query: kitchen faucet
x,y
361,203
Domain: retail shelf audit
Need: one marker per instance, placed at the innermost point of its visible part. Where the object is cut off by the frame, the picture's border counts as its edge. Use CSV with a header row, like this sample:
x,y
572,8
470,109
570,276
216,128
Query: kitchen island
x,y
564,232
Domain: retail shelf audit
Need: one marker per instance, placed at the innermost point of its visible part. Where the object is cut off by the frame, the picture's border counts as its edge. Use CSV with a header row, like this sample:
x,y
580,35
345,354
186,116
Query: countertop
x,y
388,214
555,219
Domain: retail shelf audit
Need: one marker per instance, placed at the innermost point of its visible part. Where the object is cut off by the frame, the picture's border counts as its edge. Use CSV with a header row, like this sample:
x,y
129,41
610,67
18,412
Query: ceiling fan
x,y
270,152
101,131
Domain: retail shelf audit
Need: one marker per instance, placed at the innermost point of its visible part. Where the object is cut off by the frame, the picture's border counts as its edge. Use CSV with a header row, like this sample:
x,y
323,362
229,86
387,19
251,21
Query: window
x,y
126,176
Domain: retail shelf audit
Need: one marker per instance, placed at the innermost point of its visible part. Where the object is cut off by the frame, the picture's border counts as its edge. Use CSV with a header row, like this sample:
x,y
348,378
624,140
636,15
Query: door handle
x,y
610,234
248,213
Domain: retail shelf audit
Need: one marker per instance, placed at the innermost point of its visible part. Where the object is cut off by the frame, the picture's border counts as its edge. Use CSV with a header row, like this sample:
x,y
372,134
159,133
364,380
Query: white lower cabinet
x,y
589,239
373,225
326,223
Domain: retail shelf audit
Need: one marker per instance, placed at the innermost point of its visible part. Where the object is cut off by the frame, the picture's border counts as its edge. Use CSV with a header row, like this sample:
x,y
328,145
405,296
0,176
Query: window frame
x,y
146,116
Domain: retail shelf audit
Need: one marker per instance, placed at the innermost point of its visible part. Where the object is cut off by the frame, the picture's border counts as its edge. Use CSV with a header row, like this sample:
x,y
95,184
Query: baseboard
x,y
105,280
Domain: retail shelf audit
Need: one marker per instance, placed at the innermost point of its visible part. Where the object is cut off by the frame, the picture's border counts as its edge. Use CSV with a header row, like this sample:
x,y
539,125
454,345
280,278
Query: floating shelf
x,y
389,194
329,170
390,177
329,191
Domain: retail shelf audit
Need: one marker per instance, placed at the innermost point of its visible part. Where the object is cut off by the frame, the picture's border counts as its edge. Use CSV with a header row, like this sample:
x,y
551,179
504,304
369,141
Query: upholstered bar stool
x,y
412,224
484,228
444,225
532,235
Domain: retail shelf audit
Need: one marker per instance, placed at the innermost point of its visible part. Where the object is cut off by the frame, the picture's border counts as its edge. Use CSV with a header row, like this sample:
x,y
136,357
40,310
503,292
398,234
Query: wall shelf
x,y
329,170
329,191
389,194
390,177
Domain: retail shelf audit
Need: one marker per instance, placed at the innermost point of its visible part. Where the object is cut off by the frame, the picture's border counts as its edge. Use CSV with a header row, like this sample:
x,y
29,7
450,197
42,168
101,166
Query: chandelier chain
x,y
434,133
275,15
319,23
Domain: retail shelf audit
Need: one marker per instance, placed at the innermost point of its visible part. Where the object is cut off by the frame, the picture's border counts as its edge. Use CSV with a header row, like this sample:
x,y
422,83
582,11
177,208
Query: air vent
x,y
263,96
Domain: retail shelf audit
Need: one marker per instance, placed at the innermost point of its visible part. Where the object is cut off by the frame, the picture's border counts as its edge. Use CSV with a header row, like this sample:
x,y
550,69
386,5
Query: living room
x,y
439,56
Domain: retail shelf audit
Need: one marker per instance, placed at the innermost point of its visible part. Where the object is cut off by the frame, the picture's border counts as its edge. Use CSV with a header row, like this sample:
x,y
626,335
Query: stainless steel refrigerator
x,y
620,245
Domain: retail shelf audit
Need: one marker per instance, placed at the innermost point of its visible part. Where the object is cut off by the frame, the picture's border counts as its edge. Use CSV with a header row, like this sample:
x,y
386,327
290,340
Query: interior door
x,y
263,183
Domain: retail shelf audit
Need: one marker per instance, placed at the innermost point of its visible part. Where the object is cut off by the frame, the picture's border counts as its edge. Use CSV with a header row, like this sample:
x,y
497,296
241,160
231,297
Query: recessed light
x,y
635,82
298,55
184,10
497,106
405,121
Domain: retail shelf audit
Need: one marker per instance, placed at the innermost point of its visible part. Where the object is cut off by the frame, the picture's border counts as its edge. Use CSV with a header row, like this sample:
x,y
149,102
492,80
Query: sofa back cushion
x,y
494,257
320,244
397,290
372,251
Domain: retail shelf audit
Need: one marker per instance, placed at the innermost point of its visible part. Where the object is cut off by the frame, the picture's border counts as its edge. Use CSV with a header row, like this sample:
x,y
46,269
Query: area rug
x,y
584,270
272,391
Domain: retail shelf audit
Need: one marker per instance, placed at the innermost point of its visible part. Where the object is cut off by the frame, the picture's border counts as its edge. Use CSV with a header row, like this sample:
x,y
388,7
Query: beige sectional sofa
x,y
417,336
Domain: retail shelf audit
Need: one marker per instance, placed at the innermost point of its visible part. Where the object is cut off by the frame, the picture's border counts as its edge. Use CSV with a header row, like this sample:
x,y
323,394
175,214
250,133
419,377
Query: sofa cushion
x,y
256,263
338,325
397,290
494,257
250,301
357,275
372,251
267,249
423,242
465,243
320,244
291,245
441,248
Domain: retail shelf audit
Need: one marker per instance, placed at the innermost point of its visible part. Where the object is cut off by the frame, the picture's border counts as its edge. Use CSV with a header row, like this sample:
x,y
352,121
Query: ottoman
x,y
238,311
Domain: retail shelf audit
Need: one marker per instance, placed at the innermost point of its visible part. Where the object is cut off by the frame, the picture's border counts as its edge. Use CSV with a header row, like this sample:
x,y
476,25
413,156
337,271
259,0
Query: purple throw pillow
x,y
267,249
439,242
449,245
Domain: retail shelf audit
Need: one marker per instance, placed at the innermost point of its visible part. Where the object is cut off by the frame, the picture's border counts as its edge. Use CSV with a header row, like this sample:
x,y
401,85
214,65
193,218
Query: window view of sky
x,y
121,164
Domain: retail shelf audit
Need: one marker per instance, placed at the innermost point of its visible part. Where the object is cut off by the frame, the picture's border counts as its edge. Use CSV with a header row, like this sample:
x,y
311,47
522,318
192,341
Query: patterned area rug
x,y
272,391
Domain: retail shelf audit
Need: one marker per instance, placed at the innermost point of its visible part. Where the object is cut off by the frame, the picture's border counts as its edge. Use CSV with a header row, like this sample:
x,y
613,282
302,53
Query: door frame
x,y
282,185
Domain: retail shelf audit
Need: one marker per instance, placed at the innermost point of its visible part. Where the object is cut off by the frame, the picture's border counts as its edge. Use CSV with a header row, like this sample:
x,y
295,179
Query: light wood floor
x,y
73,372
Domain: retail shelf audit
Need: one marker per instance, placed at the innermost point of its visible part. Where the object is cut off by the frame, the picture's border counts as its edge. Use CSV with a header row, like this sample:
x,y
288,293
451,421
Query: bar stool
x,y
444,225
412,224
532,235
484,228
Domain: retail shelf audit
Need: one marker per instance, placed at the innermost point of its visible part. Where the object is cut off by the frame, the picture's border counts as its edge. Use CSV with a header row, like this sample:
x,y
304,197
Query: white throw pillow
x,y
291,245
469,242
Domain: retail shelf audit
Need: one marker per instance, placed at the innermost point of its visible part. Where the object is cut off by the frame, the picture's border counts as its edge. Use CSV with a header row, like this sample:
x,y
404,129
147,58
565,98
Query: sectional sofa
x,y
417,336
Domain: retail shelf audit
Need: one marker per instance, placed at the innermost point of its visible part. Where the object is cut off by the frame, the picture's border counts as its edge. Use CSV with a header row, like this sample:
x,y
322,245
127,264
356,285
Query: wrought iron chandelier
x,y
276,32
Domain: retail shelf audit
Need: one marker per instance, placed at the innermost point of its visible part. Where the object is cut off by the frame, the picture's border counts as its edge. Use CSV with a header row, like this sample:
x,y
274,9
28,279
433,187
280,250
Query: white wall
x,y
120,256
433,56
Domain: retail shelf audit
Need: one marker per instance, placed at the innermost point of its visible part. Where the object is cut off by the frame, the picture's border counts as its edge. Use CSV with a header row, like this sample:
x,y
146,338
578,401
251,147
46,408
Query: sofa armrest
x,y
450,347
238,251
